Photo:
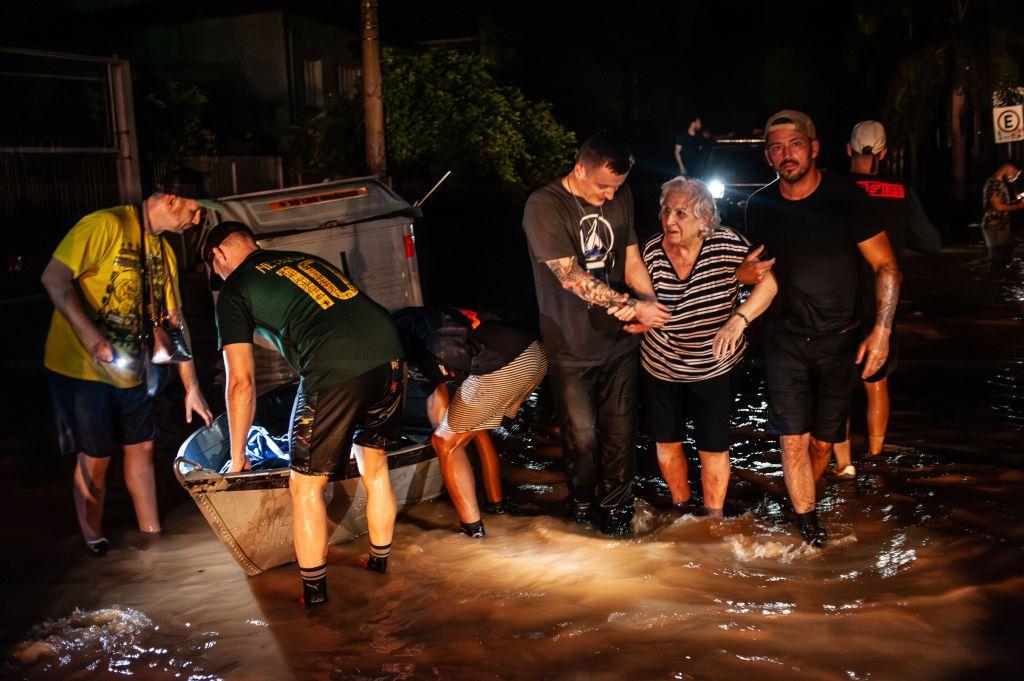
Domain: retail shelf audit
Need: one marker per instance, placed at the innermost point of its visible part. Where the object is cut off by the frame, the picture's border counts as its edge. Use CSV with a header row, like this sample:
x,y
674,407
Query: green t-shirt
x,y
321,324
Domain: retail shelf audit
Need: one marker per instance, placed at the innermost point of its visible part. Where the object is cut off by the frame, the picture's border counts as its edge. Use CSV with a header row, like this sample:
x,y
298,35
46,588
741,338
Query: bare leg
x,y
878,414
821,453
457,473
90,490
714,477
489,464
842,451
141,483
380,498
437,405
309,518
672,462
798,472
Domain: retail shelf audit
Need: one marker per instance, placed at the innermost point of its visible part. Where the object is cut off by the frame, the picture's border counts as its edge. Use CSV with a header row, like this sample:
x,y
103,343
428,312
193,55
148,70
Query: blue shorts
x,y
96,418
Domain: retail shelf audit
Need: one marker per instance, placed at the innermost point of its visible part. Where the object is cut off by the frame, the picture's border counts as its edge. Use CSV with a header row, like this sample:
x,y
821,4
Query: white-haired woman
x,y
687,362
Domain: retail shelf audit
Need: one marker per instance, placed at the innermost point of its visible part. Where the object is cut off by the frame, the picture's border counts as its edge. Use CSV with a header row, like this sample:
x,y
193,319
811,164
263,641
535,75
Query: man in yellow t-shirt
x,y
95,361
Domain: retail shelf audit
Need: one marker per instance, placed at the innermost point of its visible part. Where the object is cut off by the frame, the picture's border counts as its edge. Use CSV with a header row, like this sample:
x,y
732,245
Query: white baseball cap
x,y
868,137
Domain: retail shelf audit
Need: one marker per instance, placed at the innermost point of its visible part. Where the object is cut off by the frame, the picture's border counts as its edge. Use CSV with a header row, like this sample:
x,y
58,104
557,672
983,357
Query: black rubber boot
x,y
580,512
812,533
617,522
376,563
496,507
474,530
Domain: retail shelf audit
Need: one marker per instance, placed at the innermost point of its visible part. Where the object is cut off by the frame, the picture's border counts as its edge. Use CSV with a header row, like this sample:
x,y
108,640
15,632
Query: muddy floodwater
x,y
922,579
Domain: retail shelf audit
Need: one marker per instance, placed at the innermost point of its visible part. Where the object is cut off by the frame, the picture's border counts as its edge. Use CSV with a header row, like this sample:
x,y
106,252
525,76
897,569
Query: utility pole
x,y
373,104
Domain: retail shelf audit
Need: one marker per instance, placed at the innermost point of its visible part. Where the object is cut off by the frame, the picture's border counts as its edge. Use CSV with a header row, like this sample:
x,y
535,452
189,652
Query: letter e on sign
x,y
1009,123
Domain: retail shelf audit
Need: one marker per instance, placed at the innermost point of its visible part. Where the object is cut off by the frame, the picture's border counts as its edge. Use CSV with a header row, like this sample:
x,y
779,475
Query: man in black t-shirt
x,y
895,207
583,249
814,225
691,148
348,356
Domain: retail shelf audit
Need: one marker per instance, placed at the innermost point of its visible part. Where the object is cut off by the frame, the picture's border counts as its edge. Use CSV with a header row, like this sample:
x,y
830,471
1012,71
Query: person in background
x,y
895,207
998,204
687,362
95,362
498,366
691,147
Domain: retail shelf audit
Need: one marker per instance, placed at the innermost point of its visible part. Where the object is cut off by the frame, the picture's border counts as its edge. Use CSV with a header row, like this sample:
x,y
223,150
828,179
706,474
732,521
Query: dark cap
x,y
214,238
188,184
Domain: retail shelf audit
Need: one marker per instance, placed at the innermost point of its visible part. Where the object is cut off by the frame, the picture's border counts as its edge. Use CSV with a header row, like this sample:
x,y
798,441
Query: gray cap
x,y
788,119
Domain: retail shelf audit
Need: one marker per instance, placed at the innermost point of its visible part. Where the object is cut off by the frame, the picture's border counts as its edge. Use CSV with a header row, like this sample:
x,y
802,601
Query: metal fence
x,y
229,175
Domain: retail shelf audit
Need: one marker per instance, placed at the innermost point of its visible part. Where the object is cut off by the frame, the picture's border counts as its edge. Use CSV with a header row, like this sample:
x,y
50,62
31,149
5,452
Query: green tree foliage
x,y
330,142
173,124
445,110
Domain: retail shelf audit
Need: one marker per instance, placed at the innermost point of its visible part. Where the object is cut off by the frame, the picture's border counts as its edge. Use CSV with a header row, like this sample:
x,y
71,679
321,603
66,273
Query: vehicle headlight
x,y
716,188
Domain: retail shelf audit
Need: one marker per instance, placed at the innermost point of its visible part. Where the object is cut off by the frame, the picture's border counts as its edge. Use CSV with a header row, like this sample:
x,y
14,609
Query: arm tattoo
x,y
887,293
574,279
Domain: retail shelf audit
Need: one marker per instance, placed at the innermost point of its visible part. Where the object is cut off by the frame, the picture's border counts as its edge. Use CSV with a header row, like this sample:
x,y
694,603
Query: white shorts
x,y
481,402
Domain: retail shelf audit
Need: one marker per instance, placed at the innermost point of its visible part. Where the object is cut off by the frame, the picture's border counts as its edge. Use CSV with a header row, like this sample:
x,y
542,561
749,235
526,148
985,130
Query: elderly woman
x,y
687,362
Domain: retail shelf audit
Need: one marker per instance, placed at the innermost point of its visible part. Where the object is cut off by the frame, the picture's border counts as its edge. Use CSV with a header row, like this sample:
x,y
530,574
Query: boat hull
x,y
251,512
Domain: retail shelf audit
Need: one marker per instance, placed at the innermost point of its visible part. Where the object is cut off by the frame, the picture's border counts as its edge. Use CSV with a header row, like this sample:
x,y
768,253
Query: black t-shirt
x,y
814,241
692,149
317,319
450,343
559,225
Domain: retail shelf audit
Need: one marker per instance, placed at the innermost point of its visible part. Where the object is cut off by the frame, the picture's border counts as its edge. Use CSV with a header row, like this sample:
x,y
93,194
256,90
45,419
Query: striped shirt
x,y
681,351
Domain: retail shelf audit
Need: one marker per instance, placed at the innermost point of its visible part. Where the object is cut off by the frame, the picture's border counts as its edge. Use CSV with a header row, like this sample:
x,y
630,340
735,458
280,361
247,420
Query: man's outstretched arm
x,y
878,252
240,365
575,280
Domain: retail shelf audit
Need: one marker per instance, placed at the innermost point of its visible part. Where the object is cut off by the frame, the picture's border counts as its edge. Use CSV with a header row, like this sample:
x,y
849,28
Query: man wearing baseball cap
x,y
897,209
348,356
95,361
815,226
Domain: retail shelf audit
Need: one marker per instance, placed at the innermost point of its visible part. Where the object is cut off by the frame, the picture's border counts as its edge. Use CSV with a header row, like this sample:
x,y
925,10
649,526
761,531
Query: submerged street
x,y
922,579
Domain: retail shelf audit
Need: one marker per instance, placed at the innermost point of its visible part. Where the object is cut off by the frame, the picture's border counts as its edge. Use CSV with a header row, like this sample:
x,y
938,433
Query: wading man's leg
x,y
573,392
141,483
799,474
90,489
381,508
821,453
458,477
714,478
490,467
878,414
616,414
309,531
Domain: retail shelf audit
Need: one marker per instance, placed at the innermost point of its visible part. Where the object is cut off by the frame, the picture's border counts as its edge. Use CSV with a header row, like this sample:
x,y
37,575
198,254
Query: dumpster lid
x,y
316,206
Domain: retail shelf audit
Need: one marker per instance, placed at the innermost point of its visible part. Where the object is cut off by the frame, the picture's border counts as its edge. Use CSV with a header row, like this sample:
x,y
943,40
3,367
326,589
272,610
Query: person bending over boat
x,y
501,365
348,356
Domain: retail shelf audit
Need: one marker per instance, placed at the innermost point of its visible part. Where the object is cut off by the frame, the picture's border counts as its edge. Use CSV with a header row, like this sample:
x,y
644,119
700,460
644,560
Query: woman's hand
x,y
729,337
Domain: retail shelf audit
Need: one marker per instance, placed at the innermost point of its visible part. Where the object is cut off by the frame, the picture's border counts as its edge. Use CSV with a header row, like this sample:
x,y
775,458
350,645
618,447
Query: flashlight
x,y
716,188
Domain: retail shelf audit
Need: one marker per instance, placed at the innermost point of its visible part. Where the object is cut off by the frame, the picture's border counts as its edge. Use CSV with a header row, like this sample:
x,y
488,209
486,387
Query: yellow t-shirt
x,y
102,250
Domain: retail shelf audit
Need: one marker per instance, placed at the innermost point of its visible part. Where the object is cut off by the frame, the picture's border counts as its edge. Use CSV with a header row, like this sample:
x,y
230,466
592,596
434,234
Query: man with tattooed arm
x,y
816,227
585,256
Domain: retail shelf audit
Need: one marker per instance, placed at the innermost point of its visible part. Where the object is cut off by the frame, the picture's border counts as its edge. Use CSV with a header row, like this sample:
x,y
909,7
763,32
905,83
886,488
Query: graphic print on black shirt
x,y
814,241
574,332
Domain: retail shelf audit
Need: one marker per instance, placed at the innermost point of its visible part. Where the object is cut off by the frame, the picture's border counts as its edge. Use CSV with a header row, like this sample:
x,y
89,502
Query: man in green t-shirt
x,y
348,356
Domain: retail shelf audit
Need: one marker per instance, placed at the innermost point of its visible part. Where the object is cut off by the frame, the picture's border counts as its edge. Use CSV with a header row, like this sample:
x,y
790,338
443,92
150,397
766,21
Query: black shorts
x,y
667,404
98,419
365,410
809,383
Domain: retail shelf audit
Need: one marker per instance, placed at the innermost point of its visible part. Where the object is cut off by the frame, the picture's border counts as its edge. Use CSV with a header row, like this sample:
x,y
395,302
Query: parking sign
x,y
1009,123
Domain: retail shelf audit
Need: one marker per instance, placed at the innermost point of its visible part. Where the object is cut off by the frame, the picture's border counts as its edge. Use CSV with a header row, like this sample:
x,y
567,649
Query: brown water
x,y
922,580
